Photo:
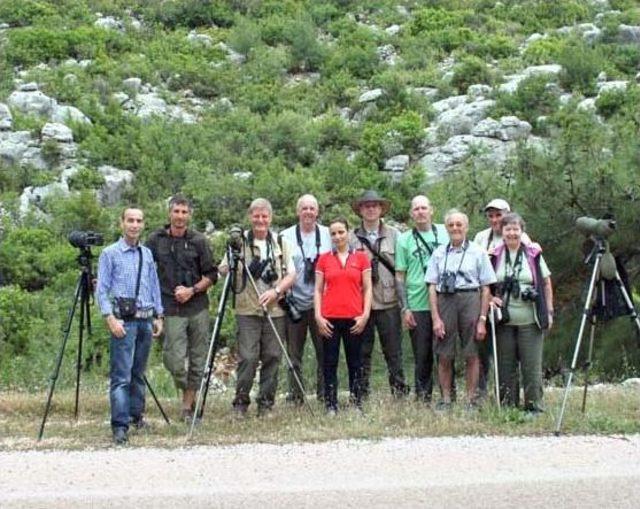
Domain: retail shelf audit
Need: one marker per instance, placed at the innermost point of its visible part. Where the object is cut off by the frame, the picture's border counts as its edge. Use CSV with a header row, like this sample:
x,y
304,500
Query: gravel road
x,y
591,471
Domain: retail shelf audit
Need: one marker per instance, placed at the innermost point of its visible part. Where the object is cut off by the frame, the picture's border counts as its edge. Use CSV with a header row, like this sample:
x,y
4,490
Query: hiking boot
x,y
140,424
120,436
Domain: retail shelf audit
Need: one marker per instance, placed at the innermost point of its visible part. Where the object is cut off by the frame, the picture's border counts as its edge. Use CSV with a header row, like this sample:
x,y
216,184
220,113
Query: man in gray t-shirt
x,y
309,240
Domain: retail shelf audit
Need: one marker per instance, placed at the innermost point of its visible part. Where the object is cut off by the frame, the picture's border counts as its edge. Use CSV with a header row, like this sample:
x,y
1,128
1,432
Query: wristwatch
x,y
277,291
483,318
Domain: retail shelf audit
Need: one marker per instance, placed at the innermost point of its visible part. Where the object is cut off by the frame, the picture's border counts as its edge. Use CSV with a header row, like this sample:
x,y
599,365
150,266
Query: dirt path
x,y
435,472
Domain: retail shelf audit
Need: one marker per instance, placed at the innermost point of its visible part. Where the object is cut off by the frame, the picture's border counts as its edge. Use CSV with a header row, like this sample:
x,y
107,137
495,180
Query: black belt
x,y
462,290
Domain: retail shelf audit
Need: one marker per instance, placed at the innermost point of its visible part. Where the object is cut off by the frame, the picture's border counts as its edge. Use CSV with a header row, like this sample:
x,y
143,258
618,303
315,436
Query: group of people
x,y
345,284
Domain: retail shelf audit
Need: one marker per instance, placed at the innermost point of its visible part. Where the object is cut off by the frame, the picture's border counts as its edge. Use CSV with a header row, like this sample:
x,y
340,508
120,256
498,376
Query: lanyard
x,y
464,252
517,264
420,240
299,239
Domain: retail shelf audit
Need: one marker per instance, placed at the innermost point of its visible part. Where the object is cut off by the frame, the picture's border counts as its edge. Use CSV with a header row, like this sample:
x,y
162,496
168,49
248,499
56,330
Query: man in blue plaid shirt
x,y
118,268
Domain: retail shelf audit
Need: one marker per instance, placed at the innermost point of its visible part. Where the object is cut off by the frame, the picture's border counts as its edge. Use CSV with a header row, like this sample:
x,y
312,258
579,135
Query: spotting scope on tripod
x,y
604,288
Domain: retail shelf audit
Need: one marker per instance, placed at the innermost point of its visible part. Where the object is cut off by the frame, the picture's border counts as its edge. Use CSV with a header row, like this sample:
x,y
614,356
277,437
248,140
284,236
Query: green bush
x,y
581,65
610,102
543,51
20,320
469,71
32,257
533,98
32,45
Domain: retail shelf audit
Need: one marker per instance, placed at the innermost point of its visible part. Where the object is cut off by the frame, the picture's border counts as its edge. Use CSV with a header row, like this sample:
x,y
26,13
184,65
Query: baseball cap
x,y
498,204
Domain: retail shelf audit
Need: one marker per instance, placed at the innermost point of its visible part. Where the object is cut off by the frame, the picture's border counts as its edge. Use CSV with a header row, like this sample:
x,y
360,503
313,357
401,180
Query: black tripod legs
x,y
81,291
153,395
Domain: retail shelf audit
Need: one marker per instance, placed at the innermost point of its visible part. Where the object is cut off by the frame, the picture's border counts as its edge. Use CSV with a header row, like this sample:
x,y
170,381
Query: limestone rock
x,y
132,84
397,163
462,119
62,113
202,39
116,182
32,102
6,119
629,34
57,132
371,95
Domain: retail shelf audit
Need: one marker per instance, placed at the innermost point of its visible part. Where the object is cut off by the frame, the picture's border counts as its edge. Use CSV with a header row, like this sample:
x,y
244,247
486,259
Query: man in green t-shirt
x,y
413,250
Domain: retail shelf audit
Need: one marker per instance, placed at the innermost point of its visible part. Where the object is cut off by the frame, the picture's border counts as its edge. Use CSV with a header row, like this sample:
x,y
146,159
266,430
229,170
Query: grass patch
x,y
610,410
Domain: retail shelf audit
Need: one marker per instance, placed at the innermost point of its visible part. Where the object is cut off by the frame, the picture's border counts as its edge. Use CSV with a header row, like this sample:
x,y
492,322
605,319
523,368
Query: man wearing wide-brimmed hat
x,y
378,241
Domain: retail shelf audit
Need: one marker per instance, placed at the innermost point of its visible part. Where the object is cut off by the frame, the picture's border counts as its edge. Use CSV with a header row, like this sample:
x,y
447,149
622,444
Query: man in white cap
x,y
492,236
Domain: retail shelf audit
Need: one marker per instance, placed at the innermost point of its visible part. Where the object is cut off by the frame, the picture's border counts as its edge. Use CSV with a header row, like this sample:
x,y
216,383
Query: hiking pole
x,y
265,311
494,344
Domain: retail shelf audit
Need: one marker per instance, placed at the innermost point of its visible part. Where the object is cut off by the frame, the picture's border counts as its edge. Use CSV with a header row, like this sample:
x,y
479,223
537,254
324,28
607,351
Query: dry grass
x,y
610,410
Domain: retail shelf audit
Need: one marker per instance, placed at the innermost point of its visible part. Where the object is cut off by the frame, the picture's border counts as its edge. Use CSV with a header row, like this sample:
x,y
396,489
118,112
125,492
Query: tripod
x,y
234,256
82,293
604,269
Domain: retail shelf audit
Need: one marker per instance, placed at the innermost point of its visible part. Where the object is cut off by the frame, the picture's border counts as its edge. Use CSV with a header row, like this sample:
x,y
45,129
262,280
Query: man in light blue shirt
x,y
310,240
126,274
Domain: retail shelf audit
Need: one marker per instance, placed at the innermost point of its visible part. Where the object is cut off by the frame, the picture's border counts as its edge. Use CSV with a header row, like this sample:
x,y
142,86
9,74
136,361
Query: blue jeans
x,y
128,360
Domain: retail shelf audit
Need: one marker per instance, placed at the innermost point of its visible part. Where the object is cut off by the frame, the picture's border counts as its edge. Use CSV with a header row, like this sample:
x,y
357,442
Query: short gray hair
x,y
454,212
307,197
260,203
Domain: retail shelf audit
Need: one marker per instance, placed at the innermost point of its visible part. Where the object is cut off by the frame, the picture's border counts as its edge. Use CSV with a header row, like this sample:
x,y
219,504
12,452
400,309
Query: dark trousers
x,y
353,353
422,344
296,339
389,327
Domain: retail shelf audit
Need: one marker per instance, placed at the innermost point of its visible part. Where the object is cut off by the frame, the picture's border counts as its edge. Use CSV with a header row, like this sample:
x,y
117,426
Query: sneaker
x,y
443,406
120,436
140,424
331,412
187,415
471,407
239,411
265,412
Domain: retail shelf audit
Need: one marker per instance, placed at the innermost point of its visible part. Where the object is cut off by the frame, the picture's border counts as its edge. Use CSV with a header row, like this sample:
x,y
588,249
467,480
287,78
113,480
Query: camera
x,y
269,275
502,315
236,239
509,286
529,294
82,239
309,270
447,282
289,305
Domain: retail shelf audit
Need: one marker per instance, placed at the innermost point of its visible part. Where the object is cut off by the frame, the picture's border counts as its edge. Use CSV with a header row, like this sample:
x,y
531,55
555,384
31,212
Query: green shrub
x,y
306,51
469,71
31,257
543,51
190,13
533,98
19,321
581,65
244,36
610,102
32,45
25,12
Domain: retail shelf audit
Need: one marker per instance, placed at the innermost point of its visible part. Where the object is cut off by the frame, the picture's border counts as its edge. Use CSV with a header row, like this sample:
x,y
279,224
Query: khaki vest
x,y
384,290
247,300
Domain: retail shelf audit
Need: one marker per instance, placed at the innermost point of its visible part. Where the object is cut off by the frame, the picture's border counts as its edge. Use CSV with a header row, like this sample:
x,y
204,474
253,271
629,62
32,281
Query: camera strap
x,y
139,249
420,241
464,252
376,253
517,264
300,243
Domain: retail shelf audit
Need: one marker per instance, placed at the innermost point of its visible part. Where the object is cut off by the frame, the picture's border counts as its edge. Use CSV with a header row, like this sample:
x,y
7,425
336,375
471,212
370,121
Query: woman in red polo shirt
x,y
342,304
